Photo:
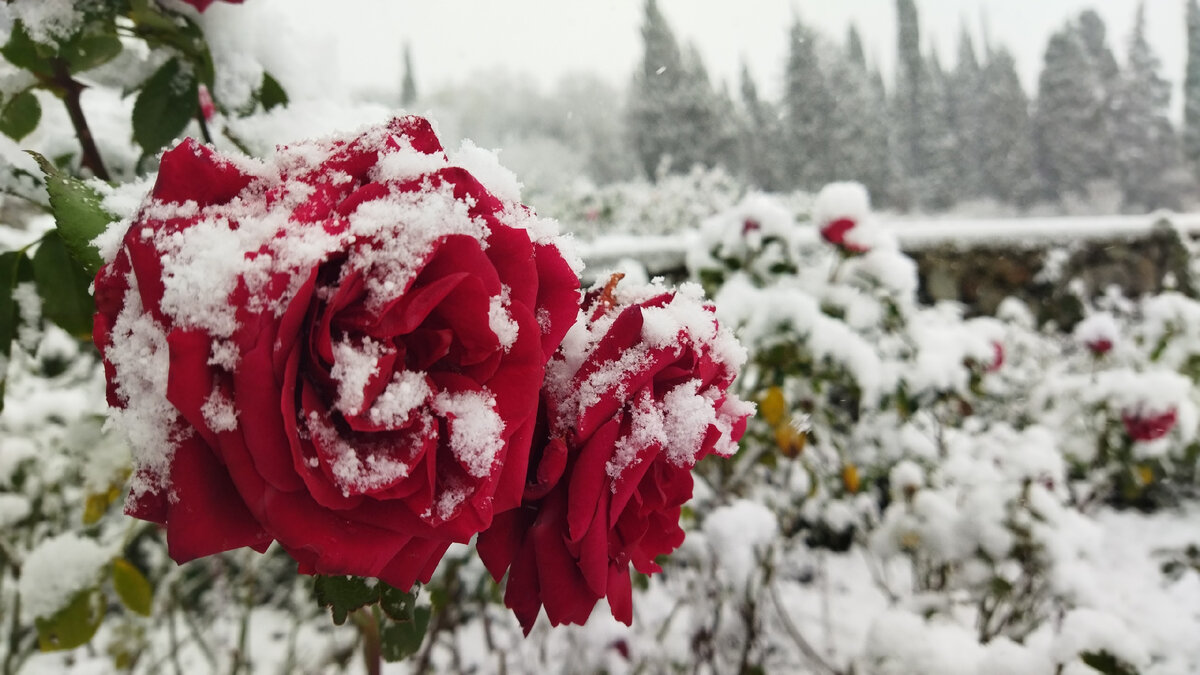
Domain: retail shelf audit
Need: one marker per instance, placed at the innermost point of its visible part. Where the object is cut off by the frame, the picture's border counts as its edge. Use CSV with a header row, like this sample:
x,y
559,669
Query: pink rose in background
x,y
340,349
636,396
836,231
1148,426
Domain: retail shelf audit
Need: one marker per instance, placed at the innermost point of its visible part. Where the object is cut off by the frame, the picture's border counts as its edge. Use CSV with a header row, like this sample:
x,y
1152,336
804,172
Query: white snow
x,y
476,429
56,570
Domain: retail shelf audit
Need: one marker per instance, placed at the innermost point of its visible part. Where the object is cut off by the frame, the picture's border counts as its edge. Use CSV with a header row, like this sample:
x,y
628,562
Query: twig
x,y
805,647
72,90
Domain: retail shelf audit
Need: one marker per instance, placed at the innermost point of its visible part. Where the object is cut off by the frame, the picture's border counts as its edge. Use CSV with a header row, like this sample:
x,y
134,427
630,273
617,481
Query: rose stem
x,y
72,90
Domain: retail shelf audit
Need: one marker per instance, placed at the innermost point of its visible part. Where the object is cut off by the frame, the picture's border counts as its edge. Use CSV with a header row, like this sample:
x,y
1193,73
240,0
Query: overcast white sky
x,y
452,39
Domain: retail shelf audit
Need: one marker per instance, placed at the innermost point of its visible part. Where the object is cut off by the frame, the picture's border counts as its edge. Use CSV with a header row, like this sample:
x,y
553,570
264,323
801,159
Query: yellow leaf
x,y
135,591
850,478
1145,474
97,504
791,442
773,406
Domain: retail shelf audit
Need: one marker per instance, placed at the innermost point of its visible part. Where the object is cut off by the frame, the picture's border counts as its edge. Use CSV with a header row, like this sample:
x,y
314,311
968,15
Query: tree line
x,y
936,135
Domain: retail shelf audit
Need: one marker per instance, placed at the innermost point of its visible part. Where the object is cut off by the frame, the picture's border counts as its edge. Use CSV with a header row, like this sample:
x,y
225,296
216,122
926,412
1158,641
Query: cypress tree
x,y
1191,90
1071,139
808,109
1006,154
672,109
408,88
1146,148
911,145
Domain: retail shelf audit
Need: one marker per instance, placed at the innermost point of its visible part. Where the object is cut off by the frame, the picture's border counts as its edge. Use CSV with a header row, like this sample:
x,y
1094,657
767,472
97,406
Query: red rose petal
x,y
206,514
193,172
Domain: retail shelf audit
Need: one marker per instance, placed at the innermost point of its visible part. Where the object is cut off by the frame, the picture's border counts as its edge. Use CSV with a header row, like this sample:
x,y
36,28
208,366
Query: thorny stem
x,y
368,626
72,90
204,133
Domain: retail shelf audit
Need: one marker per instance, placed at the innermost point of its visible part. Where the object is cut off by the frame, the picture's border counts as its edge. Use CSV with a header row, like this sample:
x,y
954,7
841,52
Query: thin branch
x,y
72,90
805,647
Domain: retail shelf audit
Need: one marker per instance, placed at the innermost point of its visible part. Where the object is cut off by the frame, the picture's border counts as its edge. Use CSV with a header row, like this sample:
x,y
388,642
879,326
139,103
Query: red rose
x,y
202,5
1099,346
835,233
997,358
339,349
1143,426
632,401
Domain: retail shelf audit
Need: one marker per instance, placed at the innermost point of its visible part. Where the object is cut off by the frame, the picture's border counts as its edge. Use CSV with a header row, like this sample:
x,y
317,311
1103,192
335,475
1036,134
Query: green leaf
x,y
132,587
1107,664
166,104
23,52
345,594
272,94
63,286
73,625
397,604
14,269
90,49
401,639
20,116
78,214
148,14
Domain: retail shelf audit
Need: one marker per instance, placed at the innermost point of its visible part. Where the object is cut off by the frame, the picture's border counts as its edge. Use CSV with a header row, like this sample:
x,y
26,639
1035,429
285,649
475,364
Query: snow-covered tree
x,y
1070,133
1106,76
762,156
1191,90
941,183
1146,150
808,107
910,140
964,115
860,119
1005,141
673,111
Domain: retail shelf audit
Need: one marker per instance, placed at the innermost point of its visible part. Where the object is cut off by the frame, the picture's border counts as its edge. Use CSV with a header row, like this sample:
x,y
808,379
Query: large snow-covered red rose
x,y
340,348
636,396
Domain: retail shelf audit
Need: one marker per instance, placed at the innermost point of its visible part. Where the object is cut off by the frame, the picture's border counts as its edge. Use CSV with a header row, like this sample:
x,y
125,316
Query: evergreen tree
x,y
1191,90
859,121
1070,136
808,109
963,90
940,184
1146,149
910,110
1006,154
762,157
854,48
1106,76
408,88
672,109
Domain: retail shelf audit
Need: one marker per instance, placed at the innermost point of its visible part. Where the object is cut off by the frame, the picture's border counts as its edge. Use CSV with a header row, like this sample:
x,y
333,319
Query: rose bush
x,y
636,396
339,349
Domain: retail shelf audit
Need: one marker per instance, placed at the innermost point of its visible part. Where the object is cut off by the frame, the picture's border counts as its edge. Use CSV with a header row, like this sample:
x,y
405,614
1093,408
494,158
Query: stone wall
x,y
1051,276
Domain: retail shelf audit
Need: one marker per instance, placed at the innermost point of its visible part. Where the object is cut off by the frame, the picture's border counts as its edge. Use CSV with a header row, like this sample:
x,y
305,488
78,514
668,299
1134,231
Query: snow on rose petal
x,y
307,337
